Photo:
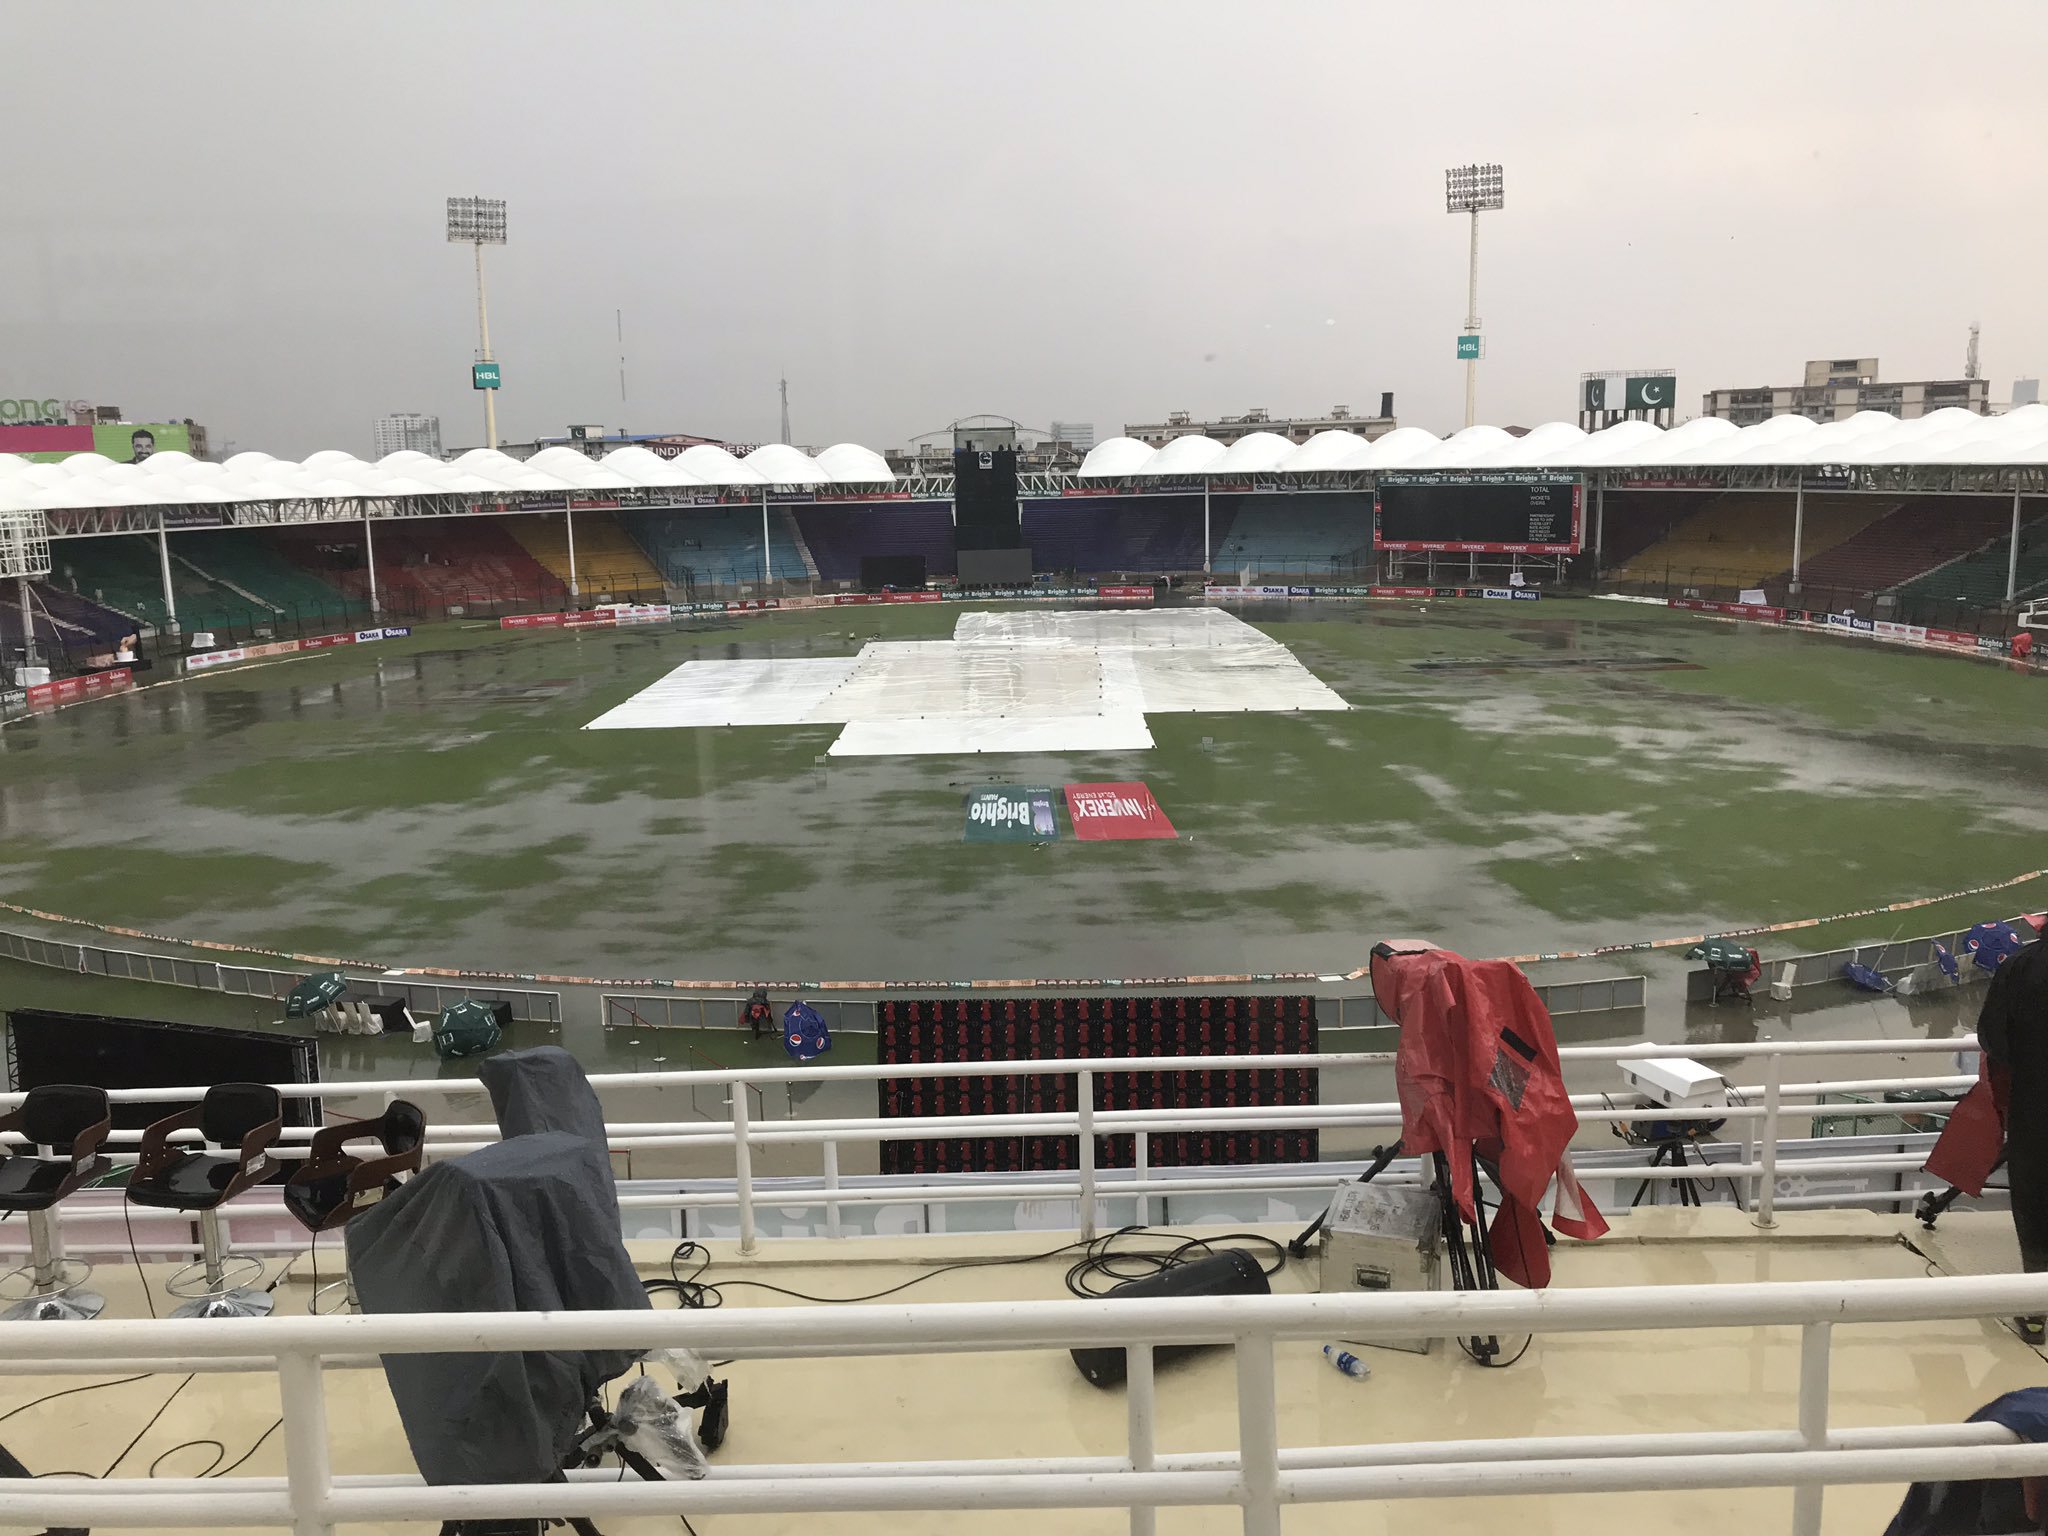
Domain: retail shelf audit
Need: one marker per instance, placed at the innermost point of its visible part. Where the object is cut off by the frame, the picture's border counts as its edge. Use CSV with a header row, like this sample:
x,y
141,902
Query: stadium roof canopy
x,y
178,479
1951,436
1947,438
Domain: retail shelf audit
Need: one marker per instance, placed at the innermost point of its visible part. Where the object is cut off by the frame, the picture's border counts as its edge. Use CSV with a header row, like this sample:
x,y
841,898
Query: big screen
x,y
1522,516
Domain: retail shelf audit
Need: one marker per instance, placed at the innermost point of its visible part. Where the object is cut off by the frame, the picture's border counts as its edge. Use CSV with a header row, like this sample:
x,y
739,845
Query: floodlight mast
x,y
1472,189
478,222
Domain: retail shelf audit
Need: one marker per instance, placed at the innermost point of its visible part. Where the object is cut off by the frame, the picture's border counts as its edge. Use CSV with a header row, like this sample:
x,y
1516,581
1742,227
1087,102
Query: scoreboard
x,y
1521,513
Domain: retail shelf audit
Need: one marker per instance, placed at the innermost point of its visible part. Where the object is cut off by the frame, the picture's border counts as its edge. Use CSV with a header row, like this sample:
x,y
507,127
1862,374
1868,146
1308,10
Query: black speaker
x,y
1233,1272
391,1013
985,512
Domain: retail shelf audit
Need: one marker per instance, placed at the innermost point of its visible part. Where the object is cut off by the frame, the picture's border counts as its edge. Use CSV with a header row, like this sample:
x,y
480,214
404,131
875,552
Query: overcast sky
x,y
921,209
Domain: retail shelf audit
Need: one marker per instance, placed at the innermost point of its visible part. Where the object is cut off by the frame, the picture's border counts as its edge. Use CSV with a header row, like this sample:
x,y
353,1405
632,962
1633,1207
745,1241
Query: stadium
x,y
1404,681
1236,977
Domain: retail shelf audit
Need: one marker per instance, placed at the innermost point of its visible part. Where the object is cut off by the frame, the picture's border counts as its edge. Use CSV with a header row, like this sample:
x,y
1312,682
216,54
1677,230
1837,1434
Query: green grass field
x,y
1509,779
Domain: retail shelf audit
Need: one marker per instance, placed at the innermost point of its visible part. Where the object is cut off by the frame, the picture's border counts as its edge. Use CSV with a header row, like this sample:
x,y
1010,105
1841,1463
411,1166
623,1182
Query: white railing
x,y
1259,1476
1761,1110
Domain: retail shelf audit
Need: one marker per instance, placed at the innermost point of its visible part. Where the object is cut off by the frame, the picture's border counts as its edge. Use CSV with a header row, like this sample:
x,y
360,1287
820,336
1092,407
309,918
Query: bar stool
x,y
237,1125
332,1184
64,1123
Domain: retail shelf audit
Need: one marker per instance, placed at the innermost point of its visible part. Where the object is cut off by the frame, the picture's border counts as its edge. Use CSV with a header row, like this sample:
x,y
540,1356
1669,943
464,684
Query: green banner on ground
x,y
1011,813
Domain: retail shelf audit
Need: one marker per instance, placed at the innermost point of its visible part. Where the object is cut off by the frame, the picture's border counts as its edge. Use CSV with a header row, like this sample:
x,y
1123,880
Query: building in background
x,y
404,431
1837,388
2024,392
1077,435
1296,429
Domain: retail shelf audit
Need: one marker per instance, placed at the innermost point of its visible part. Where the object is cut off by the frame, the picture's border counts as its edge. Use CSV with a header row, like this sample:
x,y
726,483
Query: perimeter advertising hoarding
x,y
1525,512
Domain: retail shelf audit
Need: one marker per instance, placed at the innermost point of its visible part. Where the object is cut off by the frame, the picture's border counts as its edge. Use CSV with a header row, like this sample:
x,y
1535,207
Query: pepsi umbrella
x,y
1946,962
467,1028
313,993
804,1034
1722,955
1869,978
1991,944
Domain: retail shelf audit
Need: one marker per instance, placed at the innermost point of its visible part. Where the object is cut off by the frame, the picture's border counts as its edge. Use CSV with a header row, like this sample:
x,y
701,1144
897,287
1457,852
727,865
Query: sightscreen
x,y
1525,515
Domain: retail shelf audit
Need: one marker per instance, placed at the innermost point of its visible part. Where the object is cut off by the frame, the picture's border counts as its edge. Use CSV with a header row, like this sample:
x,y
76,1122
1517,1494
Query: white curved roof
x,y
172,478
1114,457
780,464
852,464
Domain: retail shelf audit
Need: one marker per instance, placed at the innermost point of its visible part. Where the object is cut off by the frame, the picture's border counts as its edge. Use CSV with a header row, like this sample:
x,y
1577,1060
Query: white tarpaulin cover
x,y
1025,681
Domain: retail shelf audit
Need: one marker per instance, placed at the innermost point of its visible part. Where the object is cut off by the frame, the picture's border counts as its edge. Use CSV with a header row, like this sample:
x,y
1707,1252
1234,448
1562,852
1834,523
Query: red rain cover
x,y
1477,1070
1974,1138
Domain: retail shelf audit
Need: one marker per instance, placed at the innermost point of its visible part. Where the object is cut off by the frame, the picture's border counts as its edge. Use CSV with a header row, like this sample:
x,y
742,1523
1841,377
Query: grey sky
x,y
925,208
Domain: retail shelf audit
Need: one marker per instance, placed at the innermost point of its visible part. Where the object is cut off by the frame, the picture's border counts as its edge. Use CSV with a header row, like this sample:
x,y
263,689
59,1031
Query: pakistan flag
x,y
1658,392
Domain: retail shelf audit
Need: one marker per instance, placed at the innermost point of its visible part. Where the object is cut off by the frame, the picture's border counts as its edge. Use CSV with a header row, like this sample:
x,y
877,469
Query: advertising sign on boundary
x,y
73,690
1115,812
1010,813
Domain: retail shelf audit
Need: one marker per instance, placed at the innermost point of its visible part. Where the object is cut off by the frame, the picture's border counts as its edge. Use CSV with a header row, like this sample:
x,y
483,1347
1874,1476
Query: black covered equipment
x,y
530,1224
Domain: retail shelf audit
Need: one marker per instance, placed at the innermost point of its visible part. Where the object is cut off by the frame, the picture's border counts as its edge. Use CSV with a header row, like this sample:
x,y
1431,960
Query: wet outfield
x,y
1509,778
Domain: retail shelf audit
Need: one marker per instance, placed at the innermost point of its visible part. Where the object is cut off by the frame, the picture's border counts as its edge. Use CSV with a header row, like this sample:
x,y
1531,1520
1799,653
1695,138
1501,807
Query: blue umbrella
x,y
1867,977
1946,962
804,1034
1991,944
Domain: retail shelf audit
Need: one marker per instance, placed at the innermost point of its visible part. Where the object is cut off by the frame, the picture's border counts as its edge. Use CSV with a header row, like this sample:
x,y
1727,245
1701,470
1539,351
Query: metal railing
x,y
1259,1476
1758,1111
424,998
1726,586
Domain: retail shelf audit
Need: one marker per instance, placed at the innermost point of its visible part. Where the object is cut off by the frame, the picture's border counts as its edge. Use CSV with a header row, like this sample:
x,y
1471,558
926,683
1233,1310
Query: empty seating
x,y
1303,534
1741,538
424,562
64,1125
717,546
839,535
1978,579
1136,533
237,1124
607,559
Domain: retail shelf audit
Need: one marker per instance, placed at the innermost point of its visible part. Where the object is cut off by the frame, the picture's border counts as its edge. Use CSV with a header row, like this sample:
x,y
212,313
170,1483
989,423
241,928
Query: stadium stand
x,y
426,561
1743,539
1304,534
719,546
123,573
63,621
251,566
1634,520
838,535
607,559
1142,533
1978,578
1905,540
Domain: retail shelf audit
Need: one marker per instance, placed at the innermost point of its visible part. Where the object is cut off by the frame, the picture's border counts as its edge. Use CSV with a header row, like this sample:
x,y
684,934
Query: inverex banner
x,y
1120,812
1011,813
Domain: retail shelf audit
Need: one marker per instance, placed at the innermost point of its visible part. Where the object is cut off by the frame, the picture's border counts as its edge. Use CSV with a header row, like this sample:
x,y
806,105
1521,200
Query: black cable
x,y
181,1386
128,1221
1101,1259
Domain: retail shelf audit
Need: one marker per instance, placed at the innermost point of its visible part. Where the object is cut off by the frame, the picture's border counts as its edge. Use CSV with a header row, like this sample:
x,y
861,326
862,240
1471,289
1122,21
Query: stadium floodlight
x,y
1472,189
478,222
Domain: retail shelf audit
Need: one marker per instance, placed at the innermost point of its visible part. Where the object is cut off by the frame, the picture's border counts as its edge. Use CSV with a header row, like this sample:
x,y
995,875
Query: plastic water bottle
x,y
1347,1362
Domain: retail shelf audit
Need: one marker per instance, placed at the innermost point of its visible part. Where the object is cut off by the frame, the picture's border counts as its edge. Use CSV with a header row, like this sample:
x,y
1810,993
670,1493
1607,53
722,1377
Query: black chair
x,y
64,1124
237,1124
333,1184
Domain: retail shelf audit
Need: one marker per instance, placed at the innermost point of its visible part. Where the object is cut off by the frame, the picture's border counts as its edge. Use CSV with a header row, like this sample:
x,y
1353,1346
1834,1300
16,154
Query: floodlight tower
x,y
478,222
1473,189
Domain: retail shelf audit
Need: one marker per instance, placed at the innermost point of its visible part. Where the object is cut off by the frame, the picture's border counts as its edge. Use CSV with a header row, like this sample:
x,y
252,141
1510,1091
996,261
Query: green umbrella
x,y
467,1028
313,993
1722,955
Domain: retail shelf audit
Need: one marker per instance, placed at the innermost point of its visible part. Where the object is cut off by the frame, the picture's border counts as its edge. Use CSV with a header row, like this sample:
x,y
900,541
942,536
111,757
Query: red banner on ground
x,y
1105,812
